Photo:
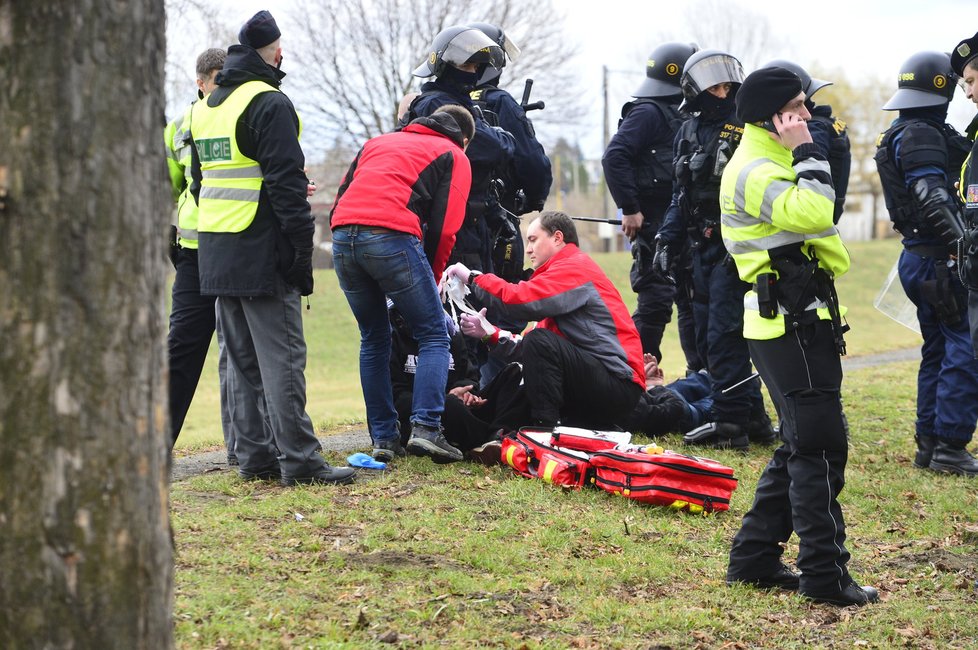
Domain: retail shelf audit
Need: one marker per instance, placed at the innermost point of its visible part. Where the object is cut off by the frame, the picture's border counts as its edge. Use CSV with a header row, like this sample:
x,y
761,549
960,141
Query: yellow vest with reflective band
x,y
763,205
178,158
231,182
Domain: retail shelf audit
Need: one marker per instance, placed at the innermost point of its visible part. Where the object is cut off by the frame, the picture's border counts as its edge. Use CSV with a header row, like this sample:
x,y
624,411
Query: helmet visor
x,y
472,46
512,49
713,70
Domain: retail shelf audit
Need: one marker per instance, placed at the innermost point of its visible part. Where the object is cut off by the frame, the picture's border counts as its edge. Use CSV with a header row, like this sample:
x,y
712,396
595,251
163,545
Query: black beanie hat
x,y
764,92
259,31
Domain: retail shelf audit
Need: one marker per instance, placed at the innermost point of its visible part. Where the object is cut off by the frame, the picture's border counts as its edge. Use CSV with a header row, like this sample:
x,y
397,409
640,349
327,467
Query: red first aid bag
x,y
529,453
588,439
669,479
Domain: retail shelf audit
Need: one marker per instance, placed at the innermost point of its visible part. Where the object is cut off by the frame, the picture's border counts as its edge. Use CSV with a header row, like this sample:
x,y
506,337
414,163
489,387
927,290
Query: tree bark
x,y
85,547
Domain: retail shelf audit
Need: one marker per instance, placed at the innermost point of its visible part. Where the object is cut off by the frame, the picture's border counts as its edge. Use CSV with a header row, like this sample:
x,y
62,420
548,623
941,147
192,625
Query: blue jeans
x,y
374,264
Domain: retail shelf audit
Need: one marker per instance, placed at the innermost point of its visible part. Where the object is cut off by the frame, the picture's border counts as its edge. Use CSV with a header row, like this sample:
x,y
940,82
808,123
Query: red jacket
x,y
571,295
414,181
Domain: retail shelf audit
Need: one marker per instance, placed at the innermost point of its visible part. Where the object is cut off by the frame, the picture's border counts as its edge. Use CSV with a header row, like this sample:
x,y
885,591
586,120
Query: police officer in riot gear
x,y
964,62
830,134
517,188
638,170
918,158
458,56
703,146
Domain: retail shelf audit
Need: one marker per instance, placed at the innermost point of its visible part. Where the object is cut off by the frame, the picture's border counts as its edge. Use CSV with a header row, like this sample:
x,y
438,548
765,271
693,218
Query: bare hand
x,y
653,373
792,129
631,223
310,188
464,394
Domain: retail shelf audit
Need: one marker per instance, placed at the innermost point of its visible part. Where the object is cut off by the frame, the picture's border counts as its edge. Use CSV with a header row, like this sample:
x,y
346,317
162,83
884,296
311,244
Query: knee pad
x,y
818,421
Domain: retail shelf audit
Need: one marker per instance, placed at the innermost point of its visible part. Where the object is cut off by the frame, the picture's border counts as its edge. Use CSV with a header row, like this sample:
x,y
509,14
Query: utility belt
x,y
935,251
798,289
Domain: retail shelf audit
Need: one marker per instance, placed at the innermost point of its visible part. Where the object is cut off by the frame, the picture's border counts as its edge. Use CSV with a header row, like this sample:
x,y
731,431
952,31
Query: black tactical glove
x,y
662,260
299,274
173,250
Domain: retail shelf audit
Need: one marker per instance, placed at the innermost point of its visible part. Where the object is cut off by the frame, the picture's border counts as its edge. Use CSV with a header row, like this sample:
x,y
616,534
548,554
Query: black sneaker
x,y
719,435
428,441
328,475
489,453
387,450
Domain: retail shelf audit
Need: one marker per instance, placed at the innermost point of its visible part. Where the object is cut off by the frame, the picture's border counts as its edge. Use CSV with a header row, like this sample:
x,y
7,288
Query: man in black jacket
x,y
255,232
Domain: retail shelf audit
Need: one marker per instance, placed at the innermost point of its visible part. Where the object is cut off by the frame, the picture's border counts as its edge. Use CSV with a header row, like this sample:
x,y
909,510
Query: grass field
x,y
332,376
462,556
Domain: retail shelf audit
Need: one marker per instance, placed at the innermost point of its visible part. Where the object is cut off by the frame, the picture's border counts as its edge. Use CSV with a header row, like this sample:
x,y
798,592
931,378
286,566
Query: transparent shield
x,y
893,301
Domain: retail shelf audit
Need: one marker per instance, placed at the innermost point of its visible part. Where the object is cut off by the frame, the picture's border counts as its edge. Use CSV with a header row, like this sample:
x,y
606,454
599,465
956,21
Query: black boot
x,y
760,431
721,435
952,457
925,449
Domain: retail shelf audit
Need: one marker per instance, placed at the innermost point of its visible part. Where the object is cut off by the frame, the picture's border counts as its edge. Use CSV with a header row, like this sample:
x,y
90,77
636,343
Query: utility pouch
x,y
796,283
940,294
767,294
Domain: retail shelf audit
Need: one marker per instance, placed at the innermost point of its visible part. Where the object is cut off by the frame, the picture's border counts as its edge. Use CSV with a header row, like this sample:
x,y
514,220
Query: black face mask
x,y
714,108
464,81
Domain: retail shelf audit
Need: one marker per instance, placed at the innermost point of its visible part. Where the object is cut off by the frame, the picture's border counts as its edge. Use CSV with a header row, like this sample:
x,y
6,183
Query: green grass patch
x,y
463,556
332,370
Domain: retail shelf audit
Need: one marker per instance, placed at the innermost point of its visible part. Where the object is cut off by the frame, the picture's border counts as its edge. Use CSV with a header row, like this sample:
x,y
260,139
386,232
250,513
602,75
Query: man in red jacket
x,y
394,223
582,363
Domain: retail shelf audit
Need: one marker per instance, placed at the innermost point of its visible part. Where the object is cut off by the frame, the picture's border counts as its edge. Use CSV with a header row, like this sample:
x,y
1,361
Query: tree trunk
x,y
85,547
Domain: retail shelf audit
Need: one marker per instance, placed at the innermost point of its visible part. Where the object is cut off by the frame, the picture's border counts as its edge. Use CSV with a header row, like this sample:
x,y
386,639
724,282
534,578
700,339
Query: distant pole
x,y
607,137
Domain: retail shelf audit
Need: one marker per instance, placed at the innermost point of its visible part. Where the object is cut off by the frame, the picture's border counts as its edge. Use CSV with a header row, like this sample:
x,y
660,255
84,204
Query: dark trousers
x,y
686,322
798,490
655,292
718,308
564,383
192,319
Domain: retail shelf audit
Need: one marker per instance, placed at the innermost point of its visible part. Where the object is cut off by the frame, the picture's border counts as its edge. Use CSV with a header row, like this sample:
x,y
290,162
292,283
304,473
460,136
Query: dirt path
x,y
354,439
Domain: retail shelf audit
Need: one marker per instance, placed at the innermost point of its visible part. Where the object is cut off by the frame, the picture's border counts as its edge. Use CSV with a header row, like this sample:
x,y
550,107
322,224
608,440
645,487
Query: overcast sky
x,y
865,38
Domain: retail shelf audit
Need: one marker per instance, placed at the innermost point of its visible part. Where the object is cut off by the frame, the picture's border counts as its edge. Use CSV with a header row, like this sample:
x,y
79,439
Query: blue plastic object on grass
x,y
365,461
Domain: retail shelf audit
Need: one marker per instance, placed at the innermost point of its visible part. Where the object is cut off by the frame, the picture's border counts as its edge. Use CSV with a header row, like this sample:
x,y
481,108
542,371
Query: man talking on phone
x,y
777,203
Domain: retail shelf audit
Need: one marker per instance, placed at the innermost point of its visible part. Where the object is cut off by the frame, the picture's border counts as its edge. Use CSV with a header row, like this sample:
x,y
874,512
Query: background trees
x,y
85,550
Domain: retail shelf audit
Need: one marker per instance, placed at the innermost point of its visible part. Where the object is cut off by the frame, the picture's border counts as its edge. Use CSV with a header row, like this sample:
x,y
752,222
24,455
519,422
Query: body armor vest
x,y
653,172
699,166
900,203
840,159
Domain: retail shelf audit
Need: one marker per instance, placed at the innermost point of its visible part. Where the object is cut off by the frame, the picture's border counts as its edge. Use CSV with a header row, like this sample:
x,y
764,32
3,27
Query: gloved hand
x,y
476,326
173,250
299,274
460,271
662,260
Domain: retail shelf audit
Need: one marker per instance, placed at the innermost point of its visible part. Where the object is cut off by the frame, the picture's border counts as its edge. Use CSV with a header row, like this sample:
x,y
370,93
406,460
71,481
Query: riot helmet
x,y
458,45
707,68
664,69
809,86
491,73
925,79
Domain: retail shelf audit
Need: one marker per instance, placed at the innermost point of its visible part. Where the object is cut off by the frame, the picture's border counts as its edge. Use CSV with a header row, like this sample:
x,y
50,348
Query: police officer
x,y
519,187
964,61
703,146
457,58
829,133
638,170
777,205
918,158
255,233
192,316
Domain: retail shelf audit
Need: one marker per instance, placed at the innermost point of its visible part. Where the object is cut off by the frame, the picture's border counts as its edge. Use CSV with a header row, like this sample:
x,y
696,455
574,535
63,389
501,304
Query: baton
x,y
739,383
613,222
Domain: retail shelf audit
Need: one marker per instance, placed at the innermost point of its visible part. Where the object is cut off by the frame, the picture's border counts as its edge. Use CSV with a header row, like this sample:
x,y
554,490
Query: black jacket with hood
x,y
278,243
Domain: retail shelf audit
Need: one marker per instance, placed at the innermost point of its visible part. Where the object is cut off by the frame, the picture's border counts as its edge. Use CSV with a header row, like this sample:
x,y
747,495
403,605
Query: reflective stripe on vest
x,y
186,206
231,182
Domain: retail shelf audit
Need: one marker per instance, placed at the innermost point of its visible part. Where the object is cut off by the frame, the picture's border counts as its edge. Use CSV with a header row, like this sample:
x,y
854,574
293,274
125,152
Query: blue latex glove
x,y
365,461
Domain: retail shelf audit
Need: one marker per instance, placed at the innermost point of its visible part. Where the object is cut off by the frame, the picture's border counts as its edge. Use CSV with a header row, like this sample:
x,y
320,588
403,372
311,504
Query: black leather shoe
x,y
925,450
272,474
853,594
719,435
783,578
953,458
328,475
